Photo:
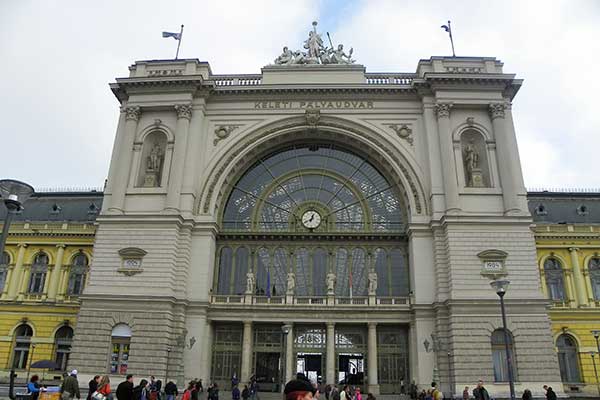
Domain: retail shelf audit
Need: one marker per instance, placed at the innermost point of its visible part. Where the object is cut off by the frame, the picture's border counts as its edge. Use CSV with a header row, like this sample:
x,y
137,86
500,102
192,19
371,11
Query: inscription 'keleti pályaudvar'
x,y
313,104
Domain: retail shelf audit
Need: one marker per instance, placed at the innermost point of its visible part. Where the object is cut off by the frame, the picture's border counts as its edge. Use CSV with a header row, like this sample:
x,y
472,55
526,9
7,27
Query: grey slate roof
x,y
564,207
59,206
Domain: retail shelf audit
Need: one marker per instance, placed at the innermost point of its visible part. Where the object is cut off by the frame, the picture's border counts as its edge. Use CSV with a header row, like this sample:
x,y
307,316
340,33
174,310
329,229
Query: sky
x,y
57,58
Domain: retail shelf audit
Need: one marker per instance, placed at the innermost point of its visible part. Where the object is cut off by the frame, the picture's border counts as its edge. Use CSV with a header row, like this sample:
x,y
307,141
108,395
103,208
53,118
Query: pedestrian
x,y
93,386
158,388
413,390
140,392
70,387
125,389
436,394
254,388
187,393
370,396
199,387
194,393
235,393
527,395
245,393
152,392
34,388
103,391
550,395
428,395
344,393
213,392
480,392
234,380
299,389
422,395
171,390
357,395
466,393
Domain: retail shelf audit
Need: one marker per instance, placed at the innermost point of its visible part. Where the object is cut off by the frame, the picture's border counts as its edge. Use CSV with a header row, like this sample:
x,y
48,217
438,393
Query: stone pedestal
x,y
151,179
477,178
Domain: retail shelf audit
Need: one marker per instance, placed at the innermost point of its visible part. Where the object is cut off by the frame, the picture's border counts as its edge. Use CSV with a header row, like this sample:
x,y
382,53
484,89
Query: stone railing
x,y
389,79
308,300
256,79
237,80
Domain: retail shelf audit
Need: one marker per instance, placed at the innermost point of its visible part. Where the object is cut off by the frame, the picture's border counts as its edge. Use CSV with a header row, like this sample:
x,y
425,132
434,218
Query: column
x,y
206,356
184,115
56,273
570,287
447,153
192,356
508,171
63,282
9,273
246,352
24,282
434,156
330,356
578,277
289,354
15,283
123,160
372,358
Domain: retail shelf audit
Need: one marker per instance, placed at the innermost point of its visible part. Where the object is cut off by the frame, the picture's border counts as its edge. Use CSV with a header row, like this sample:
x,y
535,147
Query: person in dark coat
x,y
481,393
92,386
245,393
125,389
550,395
235,393
527,395
171,390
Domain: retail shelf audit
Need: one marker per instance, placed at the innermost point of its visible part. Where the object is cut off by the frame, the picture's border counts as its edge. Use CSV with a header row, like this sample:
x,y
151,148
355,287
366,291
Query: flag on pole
x,y
444,27
448,29
174,35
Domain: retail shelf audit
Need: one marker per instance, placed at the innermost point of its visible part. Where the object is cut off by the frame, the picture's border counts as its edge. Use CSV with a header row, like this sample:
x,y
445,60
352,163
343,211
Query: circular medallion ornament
x,y
311,219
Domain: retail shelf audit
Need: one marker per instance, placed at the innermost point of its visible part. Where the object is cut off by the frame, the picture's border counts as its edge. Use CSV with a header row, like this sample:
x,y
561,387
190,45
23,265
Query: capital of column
x,y
442,110
247,323
61,246
573,249
183,111
497,110
23,245
372,325
132,113
330,325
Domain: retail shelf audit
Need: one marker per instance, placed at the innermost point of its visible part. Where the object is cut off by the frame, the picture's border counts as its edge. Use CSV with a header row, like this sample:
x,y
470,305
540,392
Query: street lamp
x,y
595,370
167,368
286,330
500,286
30,361
597,337
13,193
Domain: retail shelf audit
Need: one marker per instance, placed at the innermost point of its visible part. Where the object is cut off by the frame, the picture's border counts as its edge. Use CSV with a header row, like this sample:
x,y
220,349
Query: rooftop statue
x,y
316,52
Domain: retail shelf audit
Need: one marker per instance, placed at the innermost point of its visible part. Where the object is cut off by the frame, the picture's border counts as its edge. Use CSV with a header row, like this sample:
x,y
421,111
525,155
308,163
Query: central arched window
x,y
22,344
568,359
555,281
77,274
39,269
62,346
288,199
594,268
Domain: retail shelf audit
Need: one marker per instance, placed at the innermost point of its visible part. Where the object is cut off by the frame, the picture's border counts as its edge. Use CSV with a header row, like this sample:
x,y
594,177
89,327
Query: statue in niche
x,y
372,283
331,283
291,284
471,160
250,282
153,166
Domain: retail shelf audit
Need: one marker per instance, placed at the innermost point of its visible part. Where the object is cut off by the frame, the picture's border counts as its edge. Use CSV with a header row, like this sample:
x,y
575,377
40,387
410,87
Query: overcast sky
x,y
58,117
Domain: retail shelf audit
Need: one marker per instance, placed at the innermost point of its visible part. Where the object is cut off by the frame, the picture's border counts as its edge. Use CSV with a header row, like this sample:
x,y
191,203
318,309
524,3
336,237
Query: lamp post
x,y
595,370
500,286
285,329
596,334
30,361
167,367
13,193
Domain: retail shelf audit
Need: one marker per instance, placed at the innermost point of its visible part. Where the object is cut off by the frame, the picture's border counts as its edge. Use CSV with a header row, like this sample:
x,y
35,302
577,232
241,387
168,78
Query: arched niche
x,y
475,162
152,160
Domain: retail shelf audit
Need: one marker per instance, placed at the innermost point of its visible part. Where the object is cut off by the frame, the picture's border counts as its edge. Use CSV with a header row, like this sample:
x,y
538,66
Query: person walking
x,y
344,393
125,389
104,388
93,386
235,393
527,395
550,394
171,390
34,388
413,390
357,395
245,393
480,392
187,393
466,393
70,387
436,394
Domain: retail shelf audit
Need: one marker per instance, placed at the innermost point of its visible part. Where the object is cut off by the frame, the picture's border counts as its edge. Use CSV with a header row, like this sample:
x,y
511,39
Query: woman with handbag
x,y
103,392
93,386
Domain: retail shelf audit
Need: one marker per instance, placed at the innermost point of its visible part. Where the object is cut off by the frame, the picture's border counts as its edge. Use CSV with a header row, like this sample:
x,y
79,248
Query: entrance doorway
x,y
310,365
267,369
351,369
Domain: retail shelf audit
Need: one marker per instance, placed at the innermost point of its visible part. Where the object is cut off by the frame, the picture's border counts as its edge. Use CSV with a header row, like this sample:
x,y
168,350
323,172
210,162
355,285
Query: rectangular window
x,y
20,356
36,283
119,357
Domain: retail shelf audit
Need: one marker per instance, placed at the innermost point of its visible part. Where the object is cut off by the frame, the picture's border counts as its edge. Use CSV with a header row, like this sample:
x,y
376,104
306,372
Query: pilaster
x,y
14,284
372,358
55,275
330,356
289,354
580,294
184,115
447,155
246,352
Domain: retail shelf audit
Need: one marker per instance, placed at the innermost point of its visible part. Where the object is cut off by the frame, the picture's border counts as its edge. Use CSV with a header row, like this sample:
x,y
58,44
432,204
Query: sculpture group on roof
x,y
316,52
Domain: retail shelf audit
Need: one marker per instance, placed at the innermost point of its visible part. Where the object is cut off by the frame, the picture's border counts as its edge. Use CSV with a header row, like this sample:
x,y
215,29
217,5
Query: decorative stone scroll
x,y
223,132
316,52
131,260
403,131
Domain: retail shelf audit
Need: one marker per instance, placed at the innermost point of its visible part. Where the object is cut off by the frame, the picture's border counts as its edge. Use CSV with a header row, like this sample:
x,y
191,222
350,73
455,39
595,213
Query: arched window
x,y
4,262
62,346
39,269
499,356
568,359
22,343
225,264
555,281
594,268
79,267
120,341
242,258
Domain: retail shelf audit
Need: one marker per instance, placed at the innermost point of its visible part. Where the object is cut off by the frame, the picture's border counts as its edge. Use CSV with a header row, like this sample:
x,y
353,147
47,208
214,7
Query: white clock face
x,y
311,219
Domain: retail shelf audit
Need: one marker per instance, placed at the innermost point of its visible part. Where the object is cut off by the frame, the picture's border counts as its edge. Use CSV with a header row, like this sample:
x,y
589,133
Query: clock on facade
x,y
311,219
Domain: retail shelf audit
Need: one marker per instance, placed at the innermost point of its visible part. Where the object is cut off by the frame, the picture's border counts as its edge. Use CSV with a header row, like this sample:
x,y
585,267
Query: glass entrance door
x,y
267,370
351,369
310,364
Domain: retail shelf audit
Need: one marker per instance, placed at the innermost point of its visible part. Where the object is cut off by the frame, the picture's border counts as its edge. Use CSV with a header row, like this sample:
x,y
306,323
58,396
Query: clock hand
x,y
311,218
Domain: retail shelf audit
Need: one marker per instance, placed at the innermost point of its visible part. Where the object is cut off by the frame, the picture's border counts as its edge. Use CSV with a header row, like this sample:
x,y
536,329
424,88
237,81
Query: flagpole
x,y
181,37
449,31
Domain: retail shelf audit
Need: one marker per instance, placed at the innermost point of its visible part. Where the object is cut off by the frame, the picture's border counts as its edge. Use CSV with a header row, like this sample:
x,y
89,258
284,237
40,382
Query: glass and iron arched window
x,y
499,359
4,263
555,280
568,359
120,342
285,200
39,269
63,338
22,344
79,267
594,269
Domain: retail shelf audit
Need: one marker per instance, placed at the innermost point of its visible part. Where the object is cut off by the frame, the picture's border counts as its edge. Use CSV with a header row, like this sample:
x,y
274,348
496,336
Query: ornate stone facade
x,y
341,197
